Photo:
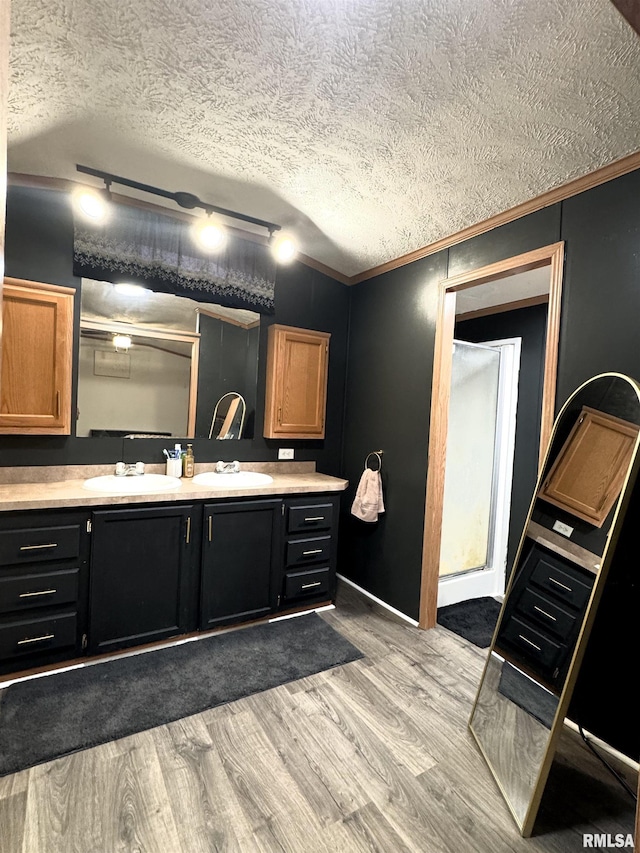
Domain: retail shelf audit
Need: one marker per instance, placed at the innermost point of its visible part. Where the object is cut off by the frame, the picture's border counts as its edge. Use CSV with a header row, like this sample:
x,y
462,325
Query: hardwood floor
x,y
371,756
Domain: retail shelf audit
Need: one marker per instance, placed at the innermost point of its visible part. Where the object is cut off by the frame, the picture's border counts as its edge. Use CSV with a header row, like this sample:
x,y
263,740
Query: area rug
x,y
475,619
49,717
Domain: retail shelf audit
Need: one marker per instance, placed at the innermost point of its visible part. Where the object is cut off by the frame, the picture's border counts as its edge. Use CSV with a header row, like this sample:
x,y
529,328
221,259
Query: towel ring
x,y
378,454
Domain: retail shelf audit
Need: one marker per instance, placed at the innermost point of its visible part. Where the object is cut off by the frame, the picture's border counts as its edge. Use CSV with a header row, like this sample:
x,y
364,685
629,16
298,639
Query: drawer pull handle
x,y
530,643
562,585
210,528
40,592
188,533
309,553
544,613
36,639
38,547
310,585
315,518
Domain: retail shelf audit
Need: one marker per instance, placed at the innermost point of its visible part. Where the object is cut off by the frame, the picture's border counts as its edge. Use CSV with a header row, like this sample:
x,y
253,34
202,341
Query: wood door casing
x,y
37,342
296,391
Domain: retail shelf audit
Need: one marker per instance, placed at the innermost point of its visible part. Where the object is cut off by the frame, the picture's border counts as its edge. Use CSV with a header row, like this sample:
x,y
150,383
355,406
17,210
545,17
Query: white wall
x,y
154,398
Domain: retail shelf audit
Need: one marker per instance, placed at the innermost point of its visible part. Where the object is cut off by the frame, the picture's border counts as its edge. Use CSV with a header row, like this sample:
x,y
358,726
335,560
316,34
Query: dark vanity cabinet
x,y
310,549
240,561
43,580
144,565
74,583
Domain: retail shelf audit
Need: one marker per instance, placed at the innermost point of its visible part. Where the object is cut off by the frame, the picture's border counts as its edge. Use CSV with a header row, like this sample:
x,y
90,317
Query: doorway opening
x,y
498,278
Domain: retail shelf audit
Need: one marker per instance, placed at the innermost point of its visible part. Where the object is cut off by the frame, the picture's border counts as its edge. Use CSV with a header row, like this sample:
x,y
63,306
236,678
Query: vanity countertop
x,y
53,490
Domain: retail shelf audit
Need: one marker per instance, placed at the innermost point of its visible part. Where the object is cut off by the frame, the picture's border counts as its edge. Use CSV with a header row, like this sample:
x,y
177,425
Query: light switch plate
x,y
285,453
561,527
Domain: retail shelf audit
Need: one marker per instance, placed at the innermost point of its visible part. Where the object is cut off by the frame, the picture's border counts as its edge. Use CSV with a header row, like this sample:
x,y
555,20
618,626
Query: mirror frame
x,y
159,334
526,825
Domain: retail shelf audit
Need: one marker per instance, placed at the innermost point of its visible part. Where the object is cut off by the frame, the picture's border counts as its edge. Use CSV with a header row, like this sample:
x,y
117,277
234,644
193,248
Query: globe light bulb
x,y
91,204
284,249
210,236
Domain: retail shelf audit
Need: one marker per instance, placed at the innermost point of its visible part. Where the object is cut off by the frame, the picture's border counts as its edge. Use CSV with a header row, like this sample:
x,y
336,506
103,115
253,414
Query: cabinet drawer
x,y
561,583
39,544
30,636
311,582
310,517
38,590
532,646
300,551
543,612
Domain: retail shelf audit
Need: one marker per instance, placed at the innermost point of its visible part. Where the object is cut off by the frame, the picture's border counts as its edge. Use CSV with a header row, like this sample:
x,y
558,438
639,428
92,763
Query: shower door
x,y
479,462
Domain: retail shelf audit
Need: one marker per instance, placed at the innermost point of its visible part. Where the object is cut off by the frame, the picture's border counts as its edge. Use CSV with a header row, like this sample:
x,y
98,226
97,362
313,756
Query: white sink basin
x,y
139,484
237,480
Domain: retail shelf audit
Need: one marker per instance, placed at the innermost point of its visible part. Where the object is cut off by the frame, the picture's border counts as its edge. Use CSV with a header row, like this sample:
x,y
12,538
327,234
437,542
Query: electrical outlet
x,y
285,453
561,527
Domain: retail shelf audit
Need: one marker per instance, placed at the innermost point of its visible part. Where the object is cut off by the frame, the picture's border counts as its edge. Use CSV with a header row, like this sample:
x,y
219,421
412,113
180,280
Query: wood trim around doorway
x,y
551,256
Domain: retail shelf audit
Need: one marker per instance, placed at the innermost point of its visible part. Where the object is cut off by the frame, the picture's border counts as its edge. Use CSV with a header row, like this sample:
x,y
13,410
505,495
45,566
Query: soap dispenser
x,y
189,462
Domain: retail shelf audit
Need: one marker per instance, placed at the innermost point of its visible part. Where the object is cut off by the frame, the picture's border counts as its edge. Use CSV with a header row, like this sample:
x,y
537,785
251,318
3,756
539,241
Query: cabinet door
x,y
141,578
37,340
296,392
241,561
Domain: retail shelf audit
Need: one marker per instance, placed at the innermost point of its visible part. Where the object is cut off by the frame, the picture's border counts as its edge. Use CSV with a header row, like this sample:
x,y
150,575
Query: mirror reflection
x,y
153,364
228,416
512,721
560,568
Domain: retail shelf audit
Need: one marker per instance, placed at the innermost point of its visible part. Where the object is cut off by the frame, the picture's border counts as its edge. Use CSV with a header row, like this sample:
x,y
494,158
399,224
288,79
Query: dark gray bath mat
x,y
475,619
48,717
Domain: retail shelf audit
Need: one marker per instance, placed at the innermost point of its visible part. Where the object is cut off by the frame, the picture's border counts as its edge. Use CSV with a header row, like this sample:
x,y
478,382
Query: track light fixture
x,y
210,234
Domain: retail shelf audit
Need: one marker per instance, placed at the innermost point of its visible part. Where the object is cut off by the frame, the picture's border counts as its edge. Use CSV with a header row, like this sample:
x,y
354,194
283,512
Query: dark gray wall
x,y
601,291
228,363
39,247
600,306
388,398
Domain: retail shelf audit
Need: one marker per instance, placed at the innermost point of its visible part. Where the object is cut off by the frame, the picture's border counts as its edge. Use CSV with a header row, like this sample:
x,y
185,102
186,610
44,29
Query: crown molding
x,y
564,191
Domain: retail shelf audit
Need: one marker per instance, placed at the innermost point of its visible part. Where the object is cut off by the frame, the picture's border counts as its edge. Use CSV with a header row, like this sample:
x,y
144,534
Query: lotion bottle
x,y
189,462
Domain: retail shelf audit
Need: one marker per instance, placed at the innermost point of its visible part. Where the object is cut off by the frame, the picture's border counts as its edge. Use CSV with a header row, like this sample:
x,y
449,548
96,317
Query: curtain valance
x,y
160,251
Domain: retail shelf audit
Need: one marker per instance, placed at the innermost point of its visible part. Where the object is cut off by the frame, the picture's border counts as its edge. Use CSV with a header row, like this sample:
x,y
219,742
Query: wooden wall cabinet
x,y
296,392
37,352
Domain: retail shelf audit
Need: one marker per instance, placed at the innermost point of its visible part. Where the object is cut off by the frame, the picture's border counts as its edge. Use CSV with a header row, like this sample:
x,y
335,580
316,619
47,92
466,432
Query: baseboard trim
x,y
379,601
603,745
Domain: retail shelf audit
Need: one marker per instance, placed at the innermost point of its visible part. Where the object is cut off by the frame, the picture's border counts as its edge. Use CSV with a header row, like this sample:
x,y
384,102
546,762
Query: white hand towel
x,y
368,502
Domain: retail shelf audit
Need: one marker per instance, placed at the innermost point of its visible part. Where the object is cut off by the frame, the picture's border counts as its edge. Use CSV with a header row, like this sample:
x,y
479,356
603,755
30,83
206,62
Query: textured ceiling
x,y
370,127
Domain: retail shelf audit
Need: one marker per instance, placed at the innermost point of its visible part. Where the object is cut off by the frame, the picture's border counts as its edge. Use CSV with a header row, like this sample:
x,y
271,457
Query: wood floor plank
x,y
197,786
16,783
324,775
388,720
100,800
276,809
12,817
367,831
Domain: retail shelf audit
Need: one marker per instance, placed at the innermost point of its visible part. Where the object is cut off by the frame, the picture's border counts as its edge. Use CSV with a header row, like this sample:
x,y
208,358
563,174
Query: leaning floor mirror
x,y
572,545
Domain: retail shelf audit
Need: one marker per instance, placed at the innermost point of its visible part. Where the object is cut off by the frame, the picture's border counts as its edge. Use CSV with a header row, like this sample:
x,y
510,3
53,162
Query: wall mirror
x,y
560,570
228,416
156,365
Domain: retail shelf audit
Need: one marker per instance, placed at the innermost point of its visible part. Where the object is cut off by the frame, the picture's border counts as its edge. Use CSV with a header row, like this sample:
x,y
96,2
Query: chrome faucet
x,y
227,467
132,469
